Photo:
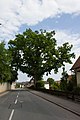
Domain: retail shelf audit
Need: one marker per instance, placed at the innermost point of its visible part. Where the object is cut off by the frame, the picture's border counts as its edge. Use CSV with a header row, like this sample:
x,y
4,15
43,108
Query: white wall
x,y
4,87
13,86
46,86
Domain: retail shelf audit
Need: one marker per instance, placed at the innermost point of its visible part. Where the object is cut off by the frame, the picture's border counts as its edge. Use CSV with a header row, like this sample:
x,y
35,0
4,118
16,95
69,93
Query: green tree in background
x,y
55,86
36,53
63,83
51,82
72,83
5,60
40,84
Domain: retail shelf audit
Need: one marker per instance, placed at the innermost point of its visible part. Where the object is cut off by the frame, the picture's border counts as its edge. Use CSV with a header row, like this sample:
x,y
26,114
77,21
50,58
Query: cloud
x,y
63,36
22,77
14,13
69,6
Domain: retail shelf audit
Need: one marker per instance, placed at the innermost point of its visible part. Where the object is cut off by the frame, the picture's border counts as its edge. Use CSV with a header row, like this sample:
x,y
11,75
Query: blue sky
x,y
63,22
63,16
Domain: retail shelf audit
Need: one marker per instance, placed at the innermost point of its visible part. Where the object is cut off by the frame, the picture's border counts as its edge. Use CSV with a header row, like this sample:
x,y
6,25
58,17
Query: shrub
x,y
40,84
77,90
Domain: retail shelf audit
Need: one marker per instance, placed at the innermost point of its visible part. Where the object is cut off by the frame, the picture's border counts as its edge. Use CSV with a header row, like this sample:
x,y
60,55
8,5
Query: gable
x,y
76,64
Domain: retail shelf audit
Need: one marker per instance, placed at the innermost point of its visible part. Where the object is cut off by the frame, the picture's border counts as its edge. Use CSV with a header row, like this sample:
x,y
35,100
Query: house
x,y
76,69
31,82
13,85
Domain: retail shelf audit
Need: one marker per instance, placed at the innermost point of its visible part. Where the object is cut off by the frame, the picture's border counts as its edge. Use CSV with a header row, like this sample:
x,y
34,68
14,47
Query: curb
x,y
74,112
3,93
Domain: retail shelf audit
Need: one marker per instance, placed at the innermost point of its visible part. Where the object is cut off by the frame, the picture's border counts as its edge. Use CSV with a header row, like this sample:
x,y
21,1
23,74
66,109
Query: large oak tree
x,y
36,53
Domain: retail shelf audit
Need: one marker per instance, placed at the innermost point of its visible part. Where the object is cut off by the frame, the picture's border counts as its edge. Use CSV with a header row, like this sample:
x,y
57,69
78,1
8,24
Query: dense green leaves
x,y
5,59
64,53
50,80
36,52
63,83
7,71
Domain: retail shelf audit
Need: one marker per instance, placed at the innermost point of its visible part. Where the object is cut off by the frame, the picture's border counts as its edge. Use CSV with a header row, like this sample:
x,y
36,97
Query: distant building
x,y
31,82
76,69
13,86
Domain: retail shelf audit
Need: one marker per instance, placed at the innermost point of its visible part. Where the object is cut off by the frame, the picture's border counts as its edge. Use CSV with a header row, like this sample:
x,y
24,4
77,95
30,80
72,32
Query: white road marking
x,y
16,101
17,96
11,115
12,112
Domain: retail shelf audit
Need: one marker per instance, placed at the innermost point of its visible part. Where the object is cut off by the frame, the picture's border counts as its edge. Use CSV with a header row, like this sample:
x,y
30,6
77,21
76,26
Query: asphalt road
x,y
23,105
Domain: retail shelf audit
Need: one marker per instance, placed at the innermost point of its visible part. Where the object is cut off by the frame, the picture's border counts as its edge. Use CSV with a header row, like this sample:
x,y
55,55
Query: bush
x,y
17,85
70,86
55,86
40,84
77,90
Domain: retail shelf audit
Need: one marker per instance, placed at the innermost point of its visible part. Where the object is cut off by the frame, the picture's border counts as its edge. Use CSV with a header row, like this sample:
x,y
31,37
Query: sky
x,y
63,16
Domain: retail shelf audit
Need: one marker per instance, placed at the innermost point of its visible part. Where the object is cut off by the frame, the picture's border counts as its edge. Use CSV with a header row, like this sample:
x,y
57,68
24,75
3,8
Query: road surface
x,y
23,105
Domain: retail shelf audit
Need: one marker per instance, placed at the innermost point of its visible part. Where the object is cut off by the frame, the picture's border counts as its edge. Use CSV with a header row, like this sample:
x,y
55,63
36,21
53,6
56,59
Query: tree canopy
x,y
63,83
5,60
7,72
36,52
50,80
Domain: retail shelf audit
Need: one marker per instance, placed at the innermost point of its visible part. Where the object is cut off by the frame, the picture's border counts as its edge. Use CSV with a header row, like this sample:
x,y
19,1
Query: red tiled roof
x,y
76,64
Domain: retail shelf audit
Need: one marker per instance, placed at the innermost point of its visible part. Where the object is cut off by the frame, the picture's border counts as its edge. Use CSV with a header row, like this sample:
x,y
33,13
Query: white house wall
x,y
46,86
13,86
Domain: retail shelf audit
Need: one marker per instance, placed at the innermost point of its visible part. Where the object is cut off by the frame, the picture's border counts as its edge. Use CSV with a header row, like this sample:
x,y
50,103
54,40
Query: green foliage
x,y
40,84
14,76
70,86
63,83
5,58
67,85
64,53
55,86
77,90
64,75
50,80
74,81
17,85
7,73
36,53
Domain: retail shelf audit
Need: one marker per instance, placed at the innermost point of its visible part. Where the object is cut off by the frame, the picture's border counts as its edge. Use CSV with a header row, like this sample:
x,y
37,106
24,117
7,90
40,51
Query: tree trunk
x,y
35,81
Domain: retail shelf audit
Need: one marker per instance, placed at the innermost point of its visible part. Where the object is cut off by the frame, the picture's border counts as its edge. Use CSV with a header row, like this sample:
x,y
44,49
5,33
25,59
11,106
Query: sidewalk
x,y
3,93
64,103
